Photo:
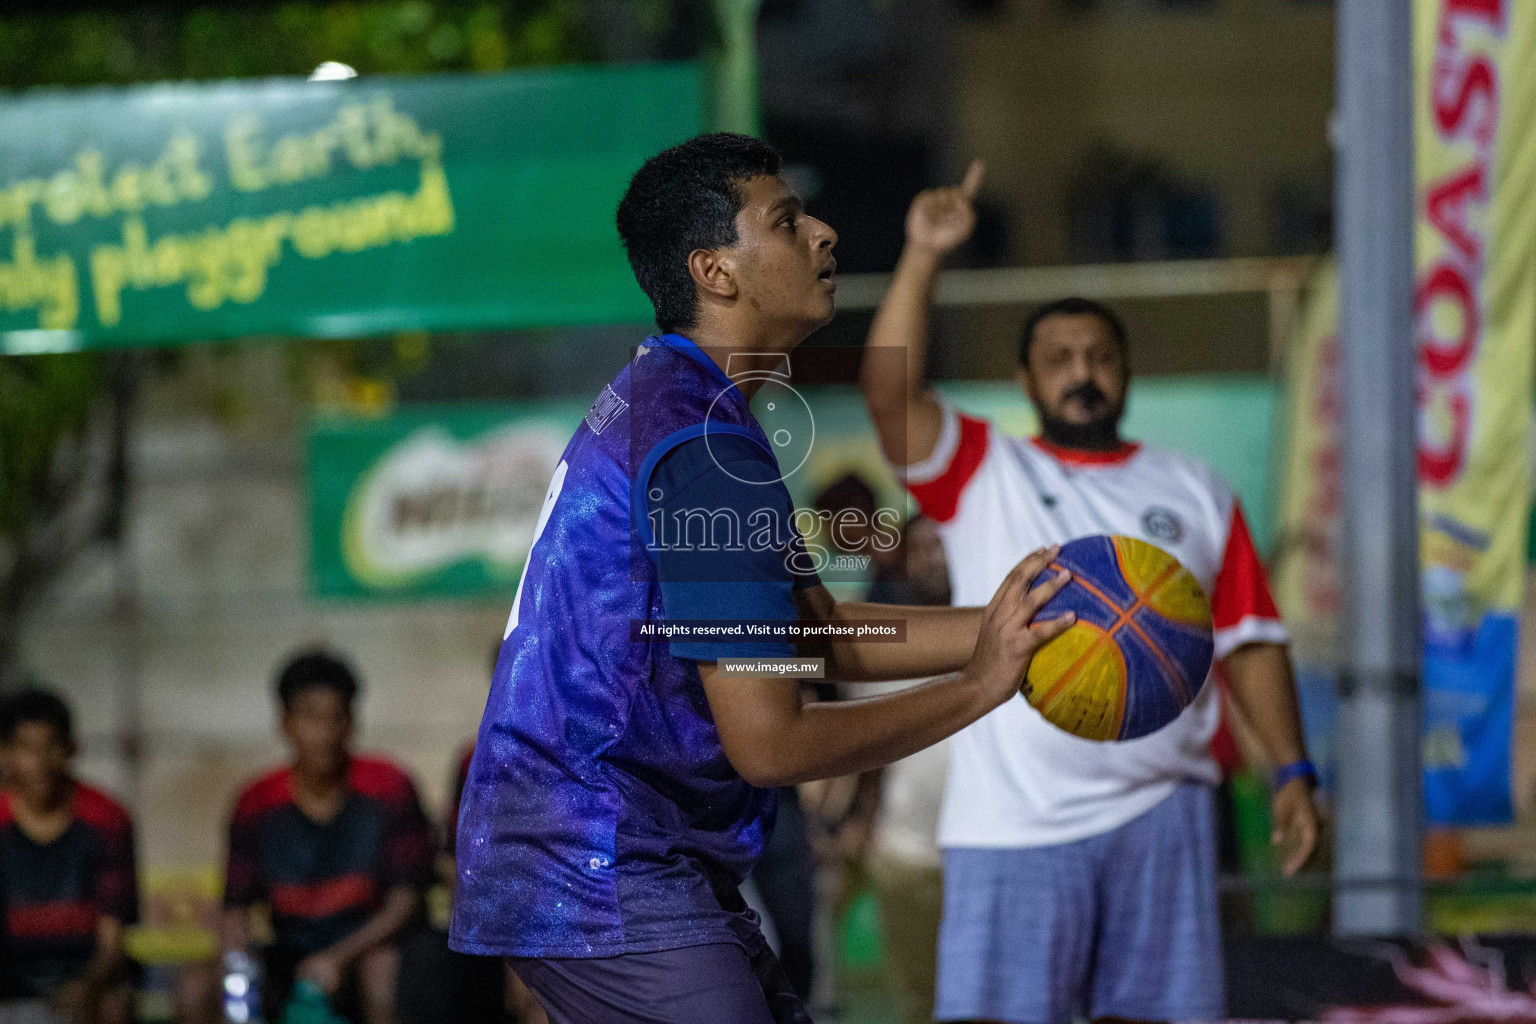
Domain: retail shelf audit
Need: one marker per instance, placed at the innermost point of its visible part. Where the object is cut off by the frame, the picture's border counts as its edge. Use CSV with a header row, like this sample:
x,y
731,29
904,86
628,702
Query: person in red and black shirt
x,y
67,879
335,845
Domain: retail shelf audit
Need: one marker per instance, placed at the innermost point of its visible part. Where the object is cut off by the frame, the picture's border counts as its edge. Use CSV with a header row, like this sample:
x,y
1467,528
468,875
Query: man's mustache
x,y
1088,393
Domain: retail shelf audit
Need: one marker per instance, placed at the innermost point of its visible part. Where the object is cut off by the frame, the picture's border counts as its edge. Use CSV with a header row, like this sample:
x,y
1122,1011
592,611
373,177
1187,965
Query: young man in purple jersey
x,y
621,788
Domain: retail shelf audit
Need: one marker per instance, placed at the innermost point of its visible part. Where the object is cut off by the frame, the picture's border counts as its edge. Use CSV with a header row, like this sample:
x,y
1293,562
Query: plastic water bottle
x,y
242,988
309,1005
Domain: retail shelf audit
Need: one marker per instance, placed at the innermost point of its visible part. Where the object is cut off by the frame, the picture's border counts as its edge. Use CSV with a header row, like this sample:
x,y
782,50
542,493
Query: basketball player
x,y
1080,877
621,788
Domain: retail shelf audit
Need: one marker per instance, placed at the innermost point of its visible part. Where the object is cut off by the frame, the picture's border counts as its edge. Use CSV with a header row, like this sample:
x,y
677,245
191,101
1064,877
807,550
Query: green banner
x,y
178,213
433,502
443,501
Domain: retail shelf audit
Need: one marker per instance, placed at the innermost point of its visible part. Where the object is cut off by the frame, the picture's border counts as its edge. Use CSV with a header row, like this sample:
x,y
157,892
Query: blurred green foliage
x,y
42,399
46,404
238,41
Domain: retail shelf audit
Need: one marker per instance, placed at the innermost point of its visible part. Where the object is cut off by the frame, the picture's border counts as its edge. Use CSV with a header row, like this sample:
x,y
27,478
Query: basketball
x,y
1140,649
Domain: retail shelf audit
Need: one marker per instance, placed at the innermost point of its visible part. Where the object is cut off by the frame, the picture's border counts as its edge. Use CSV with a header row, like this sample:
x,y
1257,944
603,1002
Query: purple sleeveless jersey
x,y
601,816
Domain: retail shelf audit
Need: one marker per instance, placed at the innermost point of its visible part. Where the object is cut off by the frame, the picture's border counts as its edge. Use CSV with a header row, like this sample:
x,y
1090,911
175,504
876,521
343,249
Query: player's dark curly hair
x,y
682,199
1071,307
313,669
36,705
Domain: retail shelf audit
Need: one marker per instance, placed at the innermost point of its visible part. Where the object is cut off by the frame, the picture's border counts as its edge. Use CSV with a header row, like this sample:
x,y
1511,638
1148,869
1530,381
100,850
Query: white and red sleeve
x,y
937,482
1242,610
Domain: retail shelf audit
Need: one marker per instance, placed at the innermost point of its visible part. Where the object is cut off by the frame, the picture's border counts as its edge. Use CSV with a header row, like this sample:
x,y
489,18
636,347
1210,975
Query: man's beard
x,y
1100,434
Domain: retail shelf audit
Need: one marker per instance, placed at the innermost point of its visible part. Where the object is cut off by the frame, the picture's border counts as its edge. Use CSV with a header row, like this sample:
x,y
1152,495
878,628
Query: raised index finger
x,y
973,175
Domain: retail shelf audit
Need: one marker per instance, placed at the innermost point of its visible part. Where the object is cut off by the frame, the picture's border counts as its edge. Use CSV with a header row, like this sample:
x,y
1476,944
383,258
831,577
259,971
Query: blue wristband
x,y
1302,769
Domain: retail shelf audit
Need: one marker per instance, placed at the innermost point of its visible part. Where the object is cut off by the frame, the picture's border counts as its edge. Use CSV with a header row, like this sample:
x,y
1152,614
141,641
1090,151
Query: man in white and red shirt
x,y
1079,876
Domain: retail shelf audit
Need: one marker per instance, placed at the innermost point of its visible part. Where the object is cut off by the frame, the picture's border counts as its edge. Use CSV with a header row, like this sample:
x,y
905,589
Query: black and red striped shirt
x,y
323,880
55,893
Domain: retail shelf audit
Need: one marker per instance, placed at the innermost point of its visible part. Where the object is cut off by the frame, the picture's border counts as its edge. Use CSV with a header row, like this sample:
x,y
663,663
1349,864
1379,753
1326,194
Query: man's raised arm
x,y
905,411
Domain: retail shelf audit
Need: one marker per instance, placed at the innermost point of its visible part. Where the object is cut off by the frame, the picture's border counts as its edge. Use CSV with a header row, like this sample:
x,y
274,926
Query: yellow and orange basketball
x,y
1140,649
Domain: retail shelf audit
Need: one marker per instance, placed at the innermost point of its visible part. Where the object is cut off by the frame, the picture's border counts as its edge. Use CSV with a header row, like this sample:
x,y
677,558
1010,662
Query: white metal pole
x,y
1379,805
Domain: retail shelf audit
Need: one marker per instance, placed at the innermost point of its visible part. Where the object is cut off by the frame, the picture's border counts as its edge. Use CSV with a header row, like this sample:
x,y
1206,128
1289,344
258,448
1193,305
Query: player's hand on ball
x,y
1009,635
942,218
1295,819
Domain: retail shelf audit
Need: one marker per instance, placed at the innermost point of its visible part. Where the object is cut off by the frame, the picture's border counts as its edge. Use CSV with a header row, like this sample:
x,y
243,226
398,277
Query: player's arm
x,y
773,739
244,886
1265,691
117,894
108,959
904,409
1263,688
937,639
78,998
114,892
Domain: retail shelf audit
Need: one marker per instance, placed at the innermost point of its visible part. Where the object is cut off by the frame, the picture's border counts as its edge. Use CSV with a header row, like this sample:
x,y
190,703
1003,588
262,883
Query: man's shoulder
x,y
100,811
266,792
381,779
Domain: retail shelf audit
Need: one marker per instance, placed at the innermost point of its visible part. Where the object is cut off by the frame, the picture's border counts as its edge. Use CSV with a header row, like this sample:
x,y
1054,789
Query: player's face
x,y
785,269
36,761
318,725
1076,372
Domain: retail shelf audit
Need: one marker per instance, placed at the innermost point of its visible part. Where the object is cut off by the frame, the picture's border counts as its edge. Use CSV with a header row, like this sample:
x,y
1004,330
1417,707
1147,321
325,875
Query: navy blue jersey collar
x,y
692,351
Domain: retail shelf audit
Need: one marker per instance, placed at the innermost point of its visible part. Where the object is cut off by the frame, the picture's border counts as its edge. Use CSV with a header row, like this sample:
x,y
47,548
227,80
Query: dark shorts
x,y
696,985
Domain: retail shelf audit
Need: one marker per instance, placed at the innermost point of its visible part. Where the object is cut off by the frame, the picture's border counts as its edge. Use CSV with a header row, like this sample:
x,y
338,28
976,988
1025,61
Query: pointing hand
x,y
942,218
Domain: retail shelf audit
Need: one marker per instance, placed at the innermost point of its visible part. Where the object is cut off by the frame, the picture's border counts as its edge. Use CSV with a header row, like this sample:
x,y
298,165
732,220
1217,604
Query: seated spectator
x,y
337,848
67,876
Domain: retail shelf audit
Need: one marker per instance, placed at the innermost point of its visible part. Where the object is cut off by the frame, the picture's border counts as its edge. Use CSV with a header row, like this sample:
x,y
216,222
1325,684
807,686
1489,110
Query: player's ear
x,y
714,272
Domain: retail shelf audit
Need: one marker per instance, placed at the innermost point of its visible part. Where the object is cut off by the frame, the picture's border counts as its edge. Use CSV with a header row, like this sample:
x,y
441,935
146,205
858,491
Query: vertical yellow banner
x,y
1475,329
1475,336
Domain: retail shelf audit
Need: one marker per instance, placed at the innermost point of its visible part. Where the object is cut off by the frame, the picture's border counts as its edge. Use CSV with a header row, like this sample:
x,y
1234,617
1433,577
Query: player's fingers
x,y
1295,835
1046,630
1034,563
973,175
1048,588
1296,850
1308,844
1013,585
